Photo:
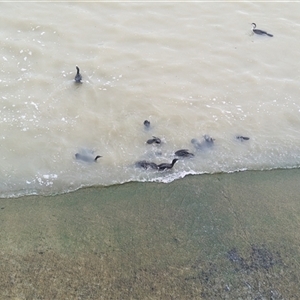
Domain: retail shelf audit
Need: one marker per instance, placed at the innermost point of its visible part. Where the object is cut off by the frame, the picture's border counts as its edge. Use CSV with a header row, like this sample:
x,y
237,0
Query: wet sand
x,y
223,236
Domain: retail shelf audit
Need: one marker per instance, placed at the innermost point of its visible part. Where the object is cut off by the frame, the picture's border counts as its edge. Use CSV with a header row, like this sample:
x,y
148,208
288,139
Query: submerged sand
x,y
223,236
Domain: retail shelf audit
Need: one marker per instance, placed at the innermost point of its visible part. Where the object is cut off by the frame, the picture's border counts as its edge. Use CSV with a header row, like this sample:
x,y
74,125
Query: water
x,y
189,68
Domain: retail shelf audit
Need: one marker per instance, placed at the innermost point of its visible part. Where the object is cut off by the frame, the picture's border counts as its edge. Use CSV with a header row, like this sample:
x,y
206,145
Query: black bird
x,y
242,138
155,140
209,140
86,158
146,165
147,124
207,143
184,153
164,166
258,31
78,76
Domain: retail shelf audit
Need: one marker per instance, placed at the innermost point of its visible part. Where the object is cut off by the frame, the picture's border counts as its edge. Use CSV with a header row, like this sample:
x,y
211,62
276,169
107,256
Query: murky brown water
x,y
189,68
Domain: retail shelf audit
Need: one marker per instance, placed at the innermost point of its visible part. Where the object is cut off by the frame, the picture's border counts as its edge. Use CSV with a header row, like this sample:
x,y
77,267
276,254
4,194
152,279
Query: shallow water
x,y
189,68
222,236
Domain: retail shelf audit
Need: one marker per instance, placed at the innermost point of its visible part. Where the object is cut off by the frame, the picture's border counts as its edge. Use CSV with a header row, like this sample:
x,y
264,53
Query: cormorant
x,y
78,76
184,153
258,31
164,166
207,143
146,165
147,124
86,157
242,138
155,140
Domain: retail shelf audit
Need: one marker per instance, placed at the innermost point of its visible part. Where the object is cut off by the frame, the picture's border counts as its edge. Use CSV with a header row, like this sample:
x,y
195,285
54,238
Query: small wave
x,y
163,177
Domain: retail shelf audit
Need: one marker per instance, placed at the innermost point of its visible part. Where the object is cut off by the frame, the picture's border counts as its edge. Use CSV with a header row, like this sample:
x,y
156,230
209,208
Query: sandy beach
x,y
223,236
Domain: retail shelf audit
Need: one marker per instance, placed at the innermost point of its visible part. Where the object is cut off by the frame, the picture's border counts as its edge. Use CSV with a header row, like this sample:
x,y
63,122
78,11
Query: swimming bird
x,y
258,31
209,140
207,143
164,166
184,153
86,158
147,124
155,140
242,138
146,165
78,76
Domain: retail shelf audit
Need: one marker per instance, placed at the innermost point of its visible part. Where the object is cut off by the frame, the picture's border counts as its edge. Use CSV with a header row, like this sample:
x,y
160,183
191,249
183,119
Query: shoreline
x,y
200,237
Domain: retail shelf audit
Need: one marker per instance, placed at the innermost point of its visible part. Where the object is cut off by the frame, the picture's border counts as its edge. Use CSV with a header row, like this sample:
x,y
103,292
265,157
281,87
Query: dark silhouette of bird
x,y
258,31
86,158
184,153
155,140
207,143
78,76
242,138
146,165
147,124
164,166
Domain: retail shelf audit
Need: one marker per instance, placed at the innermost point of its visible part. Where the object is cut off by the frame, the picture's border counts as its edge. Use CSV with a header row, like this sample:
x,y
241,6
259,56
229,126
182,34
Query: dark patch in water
x,y
155,140
147,124
207,142
259,258
235,257
242,138
184,153
258,274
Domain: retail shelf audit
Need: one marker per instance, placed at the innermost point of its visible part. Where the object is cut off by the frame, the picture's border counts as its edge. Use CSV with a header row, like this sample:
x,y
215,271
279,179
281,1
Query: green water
x,y
223,236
